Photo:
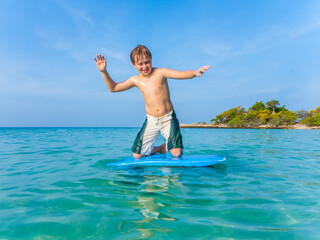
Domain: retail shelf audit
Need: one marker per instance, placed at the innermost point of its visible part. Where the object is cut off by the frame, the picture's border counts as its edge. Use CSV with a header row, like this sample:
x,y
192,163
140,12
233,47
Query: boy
x,y
152,82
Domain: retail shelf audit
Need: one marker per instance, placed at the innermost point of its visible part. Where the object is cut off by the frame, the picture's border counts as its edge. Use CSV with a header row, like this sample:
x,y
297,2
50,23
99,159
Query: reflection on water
x,y
149,204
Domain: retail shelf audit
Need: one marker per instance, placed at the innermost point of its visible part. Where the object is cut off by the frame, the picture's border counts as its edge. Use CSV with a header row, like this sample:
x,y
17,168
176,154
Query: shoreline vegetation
x,y
263,116
211,125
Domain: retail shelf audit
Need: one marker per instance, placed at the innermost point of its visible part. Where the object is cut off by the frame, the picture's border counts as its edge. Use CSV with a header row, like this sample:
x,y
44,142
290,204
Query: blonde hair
x,y
138,52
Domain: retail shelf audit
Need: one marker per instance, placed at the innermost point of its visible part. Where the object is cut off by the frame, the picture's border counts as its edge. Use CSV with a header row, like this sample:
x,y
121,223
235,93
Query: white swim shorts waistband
x,y
158,118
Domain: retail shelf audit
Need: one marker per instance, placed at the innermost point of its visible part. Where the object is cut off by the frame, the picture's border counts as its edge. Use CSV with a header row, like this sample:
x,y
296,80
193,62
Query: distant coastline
x,y
263,116
211,125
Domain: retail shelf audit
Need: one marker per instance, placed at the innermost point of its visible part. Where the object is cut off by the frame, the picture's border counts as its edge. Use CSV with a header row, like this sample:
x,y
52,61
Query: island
x,y
263,116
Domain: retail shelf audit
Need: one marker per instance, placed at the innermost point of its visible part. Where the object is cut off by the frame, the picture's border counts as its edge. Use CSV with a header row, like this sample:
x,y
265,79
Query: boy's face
x,y
143,65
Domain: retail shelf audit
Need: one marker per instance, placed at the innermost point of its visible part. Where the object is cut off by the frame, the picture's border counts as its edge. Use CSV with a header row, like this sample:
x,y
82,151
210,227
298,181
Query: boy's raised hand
x,y
101,62
200,71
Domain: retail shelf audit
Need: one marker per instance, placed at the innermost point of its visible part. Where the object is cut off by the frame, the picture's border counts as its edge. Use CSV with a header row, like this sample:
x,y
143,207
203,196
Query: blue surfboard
x,y
169,160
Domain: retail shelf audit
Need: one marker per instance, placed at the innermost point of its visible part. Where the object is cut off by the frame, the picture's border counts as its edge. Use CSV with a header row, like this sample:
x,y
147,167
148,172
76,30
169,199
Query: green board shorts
x,y
167,125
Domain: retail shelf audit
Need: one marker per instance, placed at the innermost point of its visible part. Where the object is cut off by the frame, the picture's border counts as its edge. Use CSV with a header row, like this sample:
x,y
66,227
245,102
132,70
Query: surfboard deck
x,y
169,160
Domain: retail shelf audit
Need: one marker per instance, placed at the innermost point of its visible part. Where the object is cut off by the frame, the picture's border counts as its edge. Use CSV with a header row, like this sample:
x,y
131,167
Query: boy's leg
x,y
176,152
135,155
160,149
146,137
171,132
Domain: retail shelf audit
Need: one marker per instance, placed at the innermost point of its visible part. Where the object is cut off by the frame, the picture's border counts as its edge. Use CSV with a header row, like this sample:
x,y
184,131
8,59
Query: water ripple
x,y
54,184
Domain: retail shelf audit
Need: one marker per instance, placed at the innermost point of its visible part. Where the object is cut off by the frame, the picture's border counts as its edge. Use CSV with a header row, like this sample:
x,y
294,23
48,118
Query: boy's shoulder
x,y
158,70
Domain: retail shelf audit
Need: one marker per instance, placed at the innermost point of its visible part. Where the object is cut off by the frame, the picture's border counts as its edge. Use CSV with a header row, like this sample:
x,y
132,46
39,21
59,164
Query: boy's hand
x,y
200,71
101,62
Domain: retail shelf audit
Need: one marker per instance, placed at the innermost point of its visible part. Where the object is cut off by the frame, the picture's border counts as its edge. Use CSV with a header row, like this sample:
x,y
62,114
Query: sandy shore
x,y
210,125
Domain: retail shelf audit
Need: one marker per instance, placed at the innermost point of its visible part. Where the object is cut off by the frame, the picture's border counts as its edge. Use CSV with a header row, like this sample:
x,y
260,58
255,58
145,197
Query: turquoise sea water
x,y
54,184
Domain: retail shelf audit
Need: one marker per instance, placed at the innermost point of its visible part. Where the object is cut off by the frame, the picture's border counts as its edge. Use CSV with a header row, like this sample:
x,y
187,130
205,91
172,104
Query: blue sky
x,y
259,50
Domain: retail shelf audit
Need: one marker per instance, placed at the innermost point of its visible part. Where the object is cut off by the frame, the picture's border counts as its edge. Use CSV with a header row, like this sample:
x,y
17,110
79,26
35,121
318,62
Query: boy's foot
x,y
159,149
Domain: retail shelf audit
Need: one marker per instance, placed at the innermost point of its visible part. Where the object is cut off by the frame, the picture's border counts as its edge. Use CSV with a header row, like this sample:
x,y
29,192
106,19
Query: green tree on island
x,y
228,115
258,106
265,114
312,118
273,105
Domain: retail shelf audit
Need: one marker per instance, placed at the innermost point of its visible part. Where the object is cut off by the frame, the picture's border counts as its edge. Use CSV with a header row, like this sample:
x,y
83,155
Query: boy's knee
x,y
135,155
176,152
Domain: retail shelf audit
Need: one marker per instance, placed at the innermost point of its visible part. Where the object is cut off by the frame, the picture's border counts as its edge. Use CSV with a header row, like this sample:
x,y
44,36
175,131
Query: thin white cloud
x,y
54,36
217,50
37,88
119,55
296,32
48,38
77,15
248,92
274,36
277,35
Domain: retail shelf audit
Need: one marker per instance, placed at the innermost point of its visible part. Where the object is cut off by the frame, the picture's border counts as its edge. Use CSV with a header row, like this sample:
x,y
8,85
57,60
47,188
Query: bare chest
x,y
154,87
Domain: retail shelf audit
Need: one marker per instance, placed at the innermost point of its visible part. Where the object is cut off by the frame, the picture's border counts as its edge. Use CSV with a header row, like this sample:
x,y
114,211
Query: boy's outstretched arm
x,y
113,87
169,73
